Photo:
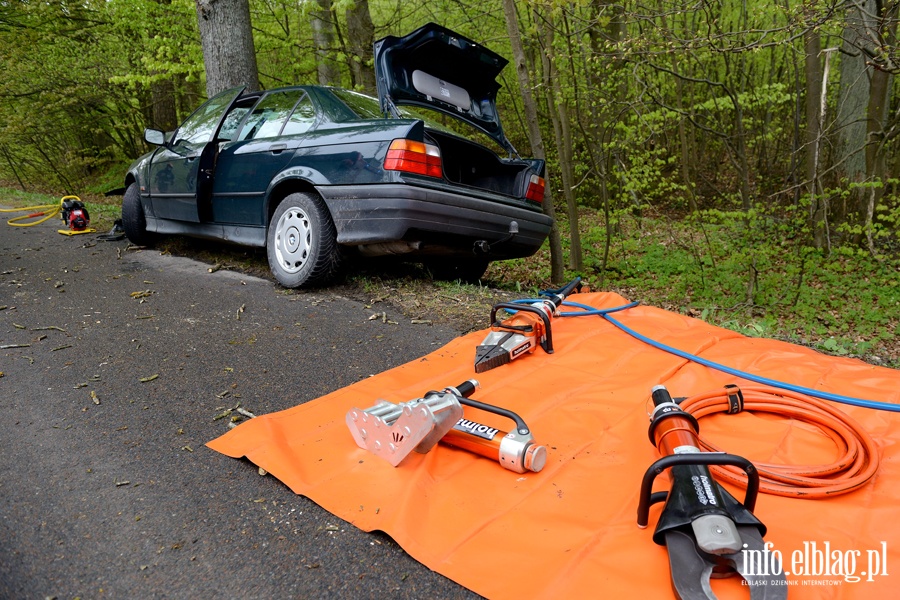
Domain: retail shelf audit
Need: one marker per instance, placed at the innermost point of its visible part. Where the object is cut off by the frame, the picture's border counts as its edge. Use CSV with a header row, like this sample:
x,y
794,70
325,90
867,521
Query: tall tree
x,y
562,133
534,132
323,39
813,68
162,93
227,38
853,98
876,114
361,34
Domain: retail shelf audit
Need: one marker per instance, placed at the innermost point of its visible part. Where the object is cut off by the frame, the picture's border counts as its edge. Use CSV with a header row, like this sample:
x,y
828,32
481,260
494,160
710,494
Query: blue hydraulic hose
x,y
605,313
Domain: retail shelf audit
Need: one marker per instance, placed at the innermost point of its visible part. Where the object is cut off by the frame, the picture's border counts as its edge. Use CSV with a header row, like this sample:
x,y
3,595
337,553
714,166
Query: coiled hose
x,y
858,454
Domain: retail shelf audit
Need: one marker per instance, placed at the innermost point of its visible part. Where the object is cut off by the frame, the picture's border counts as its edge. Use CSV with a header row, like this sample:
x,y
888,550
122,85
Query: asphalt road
x,y
115,364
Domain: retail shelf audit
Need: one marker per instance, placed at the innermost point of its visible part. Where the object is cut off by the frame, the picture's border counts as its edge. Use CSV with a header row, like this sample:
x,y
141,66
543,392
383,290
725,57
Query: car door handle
x,y
277,148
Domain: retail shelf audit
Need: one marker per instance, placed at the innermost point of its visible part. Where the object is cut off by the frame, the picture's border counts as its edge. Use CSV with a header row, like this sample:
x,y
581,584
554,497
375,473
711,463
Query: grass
x,y
756,277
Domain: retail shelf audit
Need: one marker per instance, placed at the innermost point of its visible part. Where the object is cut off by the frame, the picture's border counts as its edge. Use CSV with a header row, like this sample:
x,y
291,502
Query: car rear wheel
x,y
302,242
133,220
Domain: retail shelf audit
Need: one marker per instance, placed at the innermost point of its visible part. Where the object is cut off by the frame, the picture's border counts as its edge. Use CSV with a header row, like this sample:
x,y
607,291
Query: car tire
x,y
301,243
133,220
467,270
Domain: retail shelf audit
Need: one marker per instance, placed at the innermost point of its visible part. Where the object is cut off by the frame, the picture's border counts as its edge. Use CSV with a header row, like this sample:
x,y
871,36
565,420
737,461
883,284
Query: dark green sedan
x,y
312,172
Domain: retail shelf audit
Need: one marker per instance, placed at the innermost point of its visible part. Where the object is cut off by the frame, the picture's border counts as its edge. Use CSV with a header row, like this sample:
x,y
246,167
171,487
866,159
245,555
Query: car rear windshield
x,y
367,107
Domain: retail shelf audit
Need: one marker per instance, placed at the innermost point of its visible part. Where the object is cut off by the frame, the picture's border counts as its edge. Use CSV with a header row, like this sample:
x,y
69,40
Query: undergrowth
x,y
755,276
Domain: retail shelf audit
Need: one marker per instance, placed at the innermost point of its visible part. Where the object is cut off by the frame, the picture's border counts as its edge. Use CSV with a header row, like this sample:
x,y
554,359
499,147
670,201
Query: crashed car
x,y
311,172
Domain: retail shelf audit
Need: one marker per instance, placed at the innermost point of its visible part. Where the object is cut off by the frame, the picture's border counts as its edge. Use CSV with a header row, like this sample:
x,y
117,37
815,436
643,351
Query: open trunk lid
x,y
436,68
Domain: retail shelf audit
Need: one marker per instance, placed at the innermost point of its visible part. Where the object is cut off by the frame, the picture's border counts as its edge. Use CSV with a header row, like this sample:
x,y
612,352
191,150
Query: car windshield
x,y
367,107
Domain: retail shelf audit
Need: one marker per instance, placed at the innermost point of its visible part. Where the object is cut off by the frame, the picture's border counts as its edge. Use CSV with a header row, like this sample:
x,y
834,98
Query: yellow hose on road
x,y
47,211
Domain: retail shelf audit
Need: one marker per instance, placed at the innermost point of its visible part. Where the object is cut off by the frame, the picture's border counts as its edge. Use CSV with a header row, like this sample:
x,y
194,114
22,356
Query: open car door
x,y
182,171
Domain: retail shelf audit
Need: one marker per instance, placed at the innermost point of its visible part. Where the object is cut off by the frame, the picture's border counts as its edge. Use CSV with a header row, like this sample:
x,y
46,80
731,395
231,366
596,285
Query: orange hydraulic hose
x,y
856,465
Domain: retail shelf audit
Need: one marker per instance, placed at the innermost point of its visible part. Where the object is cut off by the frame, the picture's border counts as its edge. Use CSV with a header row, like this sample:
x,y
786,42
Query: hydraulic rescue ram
x,y
521,333
393,431
706,531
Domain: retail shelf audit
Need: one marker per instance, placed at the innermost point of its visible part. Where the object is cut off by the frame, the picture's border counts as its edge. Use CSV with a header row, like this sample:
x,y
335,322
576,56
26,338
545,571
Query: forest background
x,y
732,160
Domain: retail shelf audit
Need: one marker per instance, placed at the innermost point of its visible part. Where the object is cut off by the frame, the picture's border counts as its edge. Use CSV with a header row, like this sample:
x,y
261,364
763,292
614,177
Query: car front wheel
x,y
133,220
302,242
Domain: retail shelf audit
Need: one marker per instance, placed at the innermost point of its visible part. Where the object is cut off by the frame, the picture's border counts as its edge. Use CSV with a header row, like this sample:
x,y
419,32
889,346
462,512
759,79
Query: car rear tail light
x,y
535,190
414,157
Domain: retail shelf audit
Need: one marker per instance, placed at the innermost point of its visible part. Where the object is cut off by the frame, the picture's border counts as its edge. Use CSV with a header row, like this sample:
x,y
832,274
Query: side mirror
x,y
155,137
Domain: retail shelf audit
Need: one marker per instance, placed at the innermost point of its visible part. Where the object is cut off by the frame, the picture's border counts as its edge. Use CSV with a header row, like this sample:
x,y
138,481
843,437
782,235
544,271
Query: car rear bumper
x,y
442,221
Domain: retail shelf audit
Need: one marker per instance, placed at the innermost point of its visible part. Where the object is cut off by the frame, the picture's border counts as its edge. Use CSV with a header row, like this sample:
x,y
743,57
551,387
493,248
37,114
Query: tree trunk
x,y
227,39
361,34
879,97
534,133
187,97
162,94
813,71
853,98
559,116
323,38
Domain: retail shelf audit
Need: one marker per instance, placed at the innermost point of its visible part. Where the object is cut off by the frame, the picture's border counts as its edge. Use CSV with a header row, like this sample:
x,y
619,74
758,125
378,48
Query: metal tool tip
x,y
490,357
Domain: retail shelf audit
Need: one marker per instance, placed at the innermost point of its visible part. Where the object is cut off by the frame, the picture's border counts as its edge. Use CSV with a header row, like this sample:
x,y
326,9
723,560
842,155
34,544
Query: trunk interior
x,y
467,163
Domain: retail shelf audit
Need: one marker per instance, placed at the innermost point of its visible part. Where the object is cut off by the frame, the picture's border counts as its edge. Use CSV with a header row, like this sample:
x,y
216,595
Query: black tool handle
x,y
661,395
466,388
561,294
521,426
701,458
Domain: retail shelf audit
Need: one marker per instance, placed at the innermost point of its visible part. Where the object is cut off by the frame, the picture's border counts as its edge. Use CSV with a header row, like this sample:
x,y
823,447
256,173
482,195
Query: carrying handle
x,y
702,458
521,426
547,342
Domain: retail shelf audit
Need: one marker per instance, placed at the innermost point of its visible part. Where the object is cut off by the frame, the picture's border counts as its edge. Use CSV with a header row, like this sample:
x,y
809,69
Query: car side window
x,y
198,128
232,122
302,118
269,115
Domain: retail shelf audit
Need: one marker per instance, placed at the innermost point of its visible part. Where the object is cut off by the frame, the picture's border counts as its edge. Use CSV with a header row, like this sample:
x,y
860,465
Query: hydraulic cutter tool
x,y
707,532
521,333
392,431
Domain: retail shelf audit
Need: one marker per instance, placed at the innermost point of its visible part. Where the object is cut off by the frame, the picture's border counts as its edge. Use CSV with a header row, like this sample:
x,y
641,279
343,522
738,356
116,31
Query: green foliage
x,y
846,303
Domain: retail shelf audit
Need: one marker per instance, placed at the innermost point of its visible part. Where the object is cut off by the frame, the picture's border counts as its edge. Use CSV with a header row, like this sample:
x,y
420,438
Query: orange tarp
x,y
570,530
